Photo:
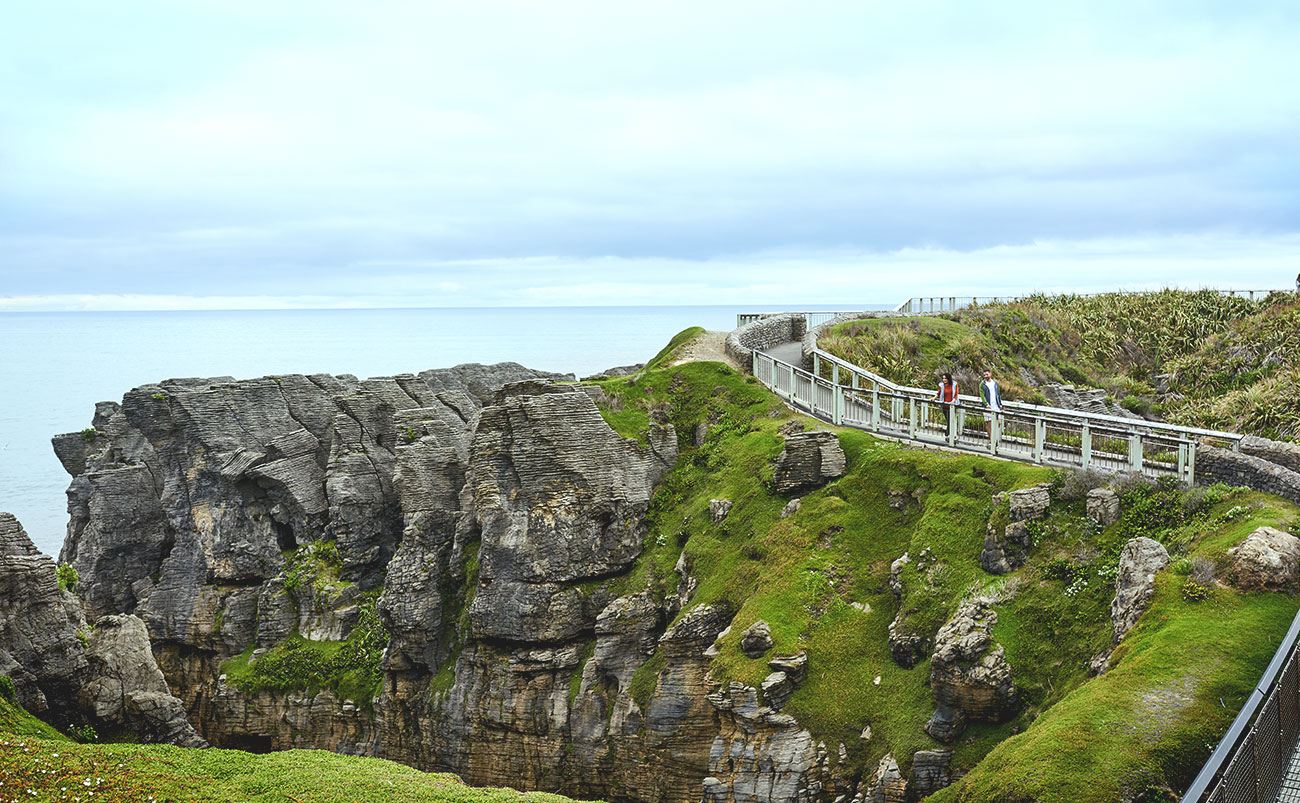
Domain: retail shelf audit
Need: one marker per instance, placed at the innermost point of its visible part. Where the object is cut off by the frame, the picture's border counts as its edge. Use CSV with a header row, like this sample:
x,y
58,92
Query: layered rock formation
x,y
73,673
489,516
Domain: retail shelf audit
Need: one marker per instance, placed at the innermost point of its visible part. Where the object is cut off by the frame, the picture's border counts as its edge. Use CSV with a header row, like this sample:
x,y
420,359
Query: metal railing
x,y
816,318
949,303
918,304
1250,762
856,398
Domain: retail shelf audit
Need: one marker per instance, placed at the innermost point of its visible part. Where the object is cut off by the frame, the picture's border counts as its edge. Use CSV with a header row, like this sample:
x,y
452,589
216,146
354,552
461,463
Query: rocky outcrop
x,y
1086,400
809,460
1103,506
127,691
1266,559
1008,539
40,649
560,499
1135,582
72,673
969,675
930,772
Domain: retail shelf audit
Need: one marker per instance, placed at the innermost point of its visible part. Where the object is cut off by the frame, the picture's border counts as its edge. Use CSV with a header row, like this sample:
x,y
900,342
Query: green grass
x,y
668,352
15,721
59,771
1177,679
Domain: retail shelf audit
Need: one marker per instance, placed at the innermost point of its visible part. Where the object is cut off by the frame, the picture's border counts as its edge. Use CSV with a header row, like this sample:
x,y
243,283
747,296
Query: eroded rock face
x,y
1135,582
127,689
70,673
969,675
39,648
809,460
560,499
1267,559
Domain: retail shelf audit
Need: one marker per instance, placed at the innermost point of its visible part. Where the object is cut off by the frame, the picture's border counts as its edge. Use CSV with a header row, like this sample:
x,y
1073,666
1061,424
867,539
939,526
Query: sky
x,y
194,154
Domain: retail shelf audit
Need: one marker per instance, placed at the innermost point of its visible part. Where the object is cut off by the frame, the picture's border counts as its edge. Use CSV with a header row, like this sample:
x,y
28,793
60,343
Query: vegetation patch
x,y
349,668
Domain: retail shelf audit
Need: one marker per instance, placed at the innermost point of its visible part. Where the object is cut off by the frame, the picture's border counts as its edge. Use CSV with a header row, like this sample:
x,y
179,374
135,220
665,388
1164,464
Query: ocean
x,y
57,365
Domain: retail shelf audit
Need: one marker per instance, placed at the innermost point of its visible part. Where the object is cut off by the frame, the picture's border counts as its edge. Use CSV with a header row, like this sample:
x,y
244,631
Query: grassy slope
x,y
1235,363
56,771
804,574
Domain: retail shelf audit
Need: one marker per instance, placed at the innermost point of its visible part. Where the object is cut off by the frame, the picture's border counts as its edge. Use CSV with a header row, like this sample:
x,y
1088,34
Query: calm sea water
x,y
55,366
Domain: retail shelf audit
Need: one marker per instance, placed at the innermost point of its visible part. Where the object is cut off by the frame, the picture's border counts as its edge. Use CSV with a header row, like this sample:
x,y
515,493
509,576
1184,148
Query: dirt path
x,y
708,346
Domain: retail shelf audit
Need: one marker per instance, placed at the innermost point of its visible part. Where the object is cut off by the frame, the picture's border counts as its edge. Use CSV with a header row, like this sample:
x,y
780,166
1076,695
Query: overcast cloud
x,y
259,154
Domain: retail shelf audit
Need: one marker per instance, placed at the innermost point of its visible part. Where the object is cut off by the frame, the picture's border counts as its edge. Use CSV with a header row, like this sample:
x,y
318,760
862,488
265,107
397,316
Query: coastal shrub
x,y
86,734
67,577
88,434
1079,482
7,690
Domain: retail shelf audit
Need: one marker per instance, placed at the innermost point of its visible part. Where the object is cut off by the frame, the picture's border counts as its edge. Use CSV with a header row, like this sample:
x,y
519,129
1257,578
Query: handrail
x,y
1225,753
1059,413
948,303
1016,434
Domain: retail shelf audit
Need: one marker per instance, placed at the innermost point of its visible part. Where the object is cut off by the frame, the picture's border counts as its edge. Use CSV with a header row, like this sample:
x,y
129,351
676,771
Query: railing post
x,y
911,418
1182,460
817,365
1040,437
875,407
995,433
835,373
1085,447
1191,463
855,380
1135,451
837,404
955,415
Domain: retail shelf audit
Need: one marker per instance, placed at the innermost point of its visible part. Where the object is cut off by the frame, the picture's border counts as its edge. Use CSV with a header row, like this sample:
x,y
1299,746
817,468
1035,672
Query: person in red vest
x,y
947,394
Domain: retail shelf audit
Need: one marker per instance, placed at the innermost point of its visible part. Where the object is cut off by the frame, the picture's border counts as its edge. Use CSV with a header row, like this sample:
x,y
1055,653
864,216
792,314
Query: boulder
x,y
791,508
1135,582
1267,559
718,510
1029,503
809,460
757,639
969,675
1103,506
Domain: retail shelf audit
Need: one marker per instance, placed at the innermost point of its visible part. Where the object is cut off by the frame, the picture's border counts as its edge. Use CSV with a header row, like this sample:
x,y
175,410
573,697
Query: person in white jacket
x,y
992,396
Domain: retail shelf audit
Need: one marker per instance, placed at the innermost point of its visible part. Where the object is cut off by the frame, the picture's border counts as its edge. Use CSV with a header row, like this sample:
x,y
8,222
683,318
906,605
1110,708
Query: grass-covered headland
x,y
820,578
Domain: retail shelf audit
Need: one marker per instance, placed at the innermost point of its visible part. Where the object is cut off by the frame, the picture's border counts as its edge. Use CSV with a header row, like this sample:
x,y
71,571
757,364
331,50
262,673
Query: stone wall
x,y
1234,468
773,330
1284,454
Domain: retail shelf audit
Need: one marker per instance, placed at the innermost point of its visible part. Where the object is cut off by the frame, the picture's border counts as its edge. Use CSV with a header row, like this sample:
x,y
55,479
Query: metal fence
x,y
854,397
815,318
949,303
1251,761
